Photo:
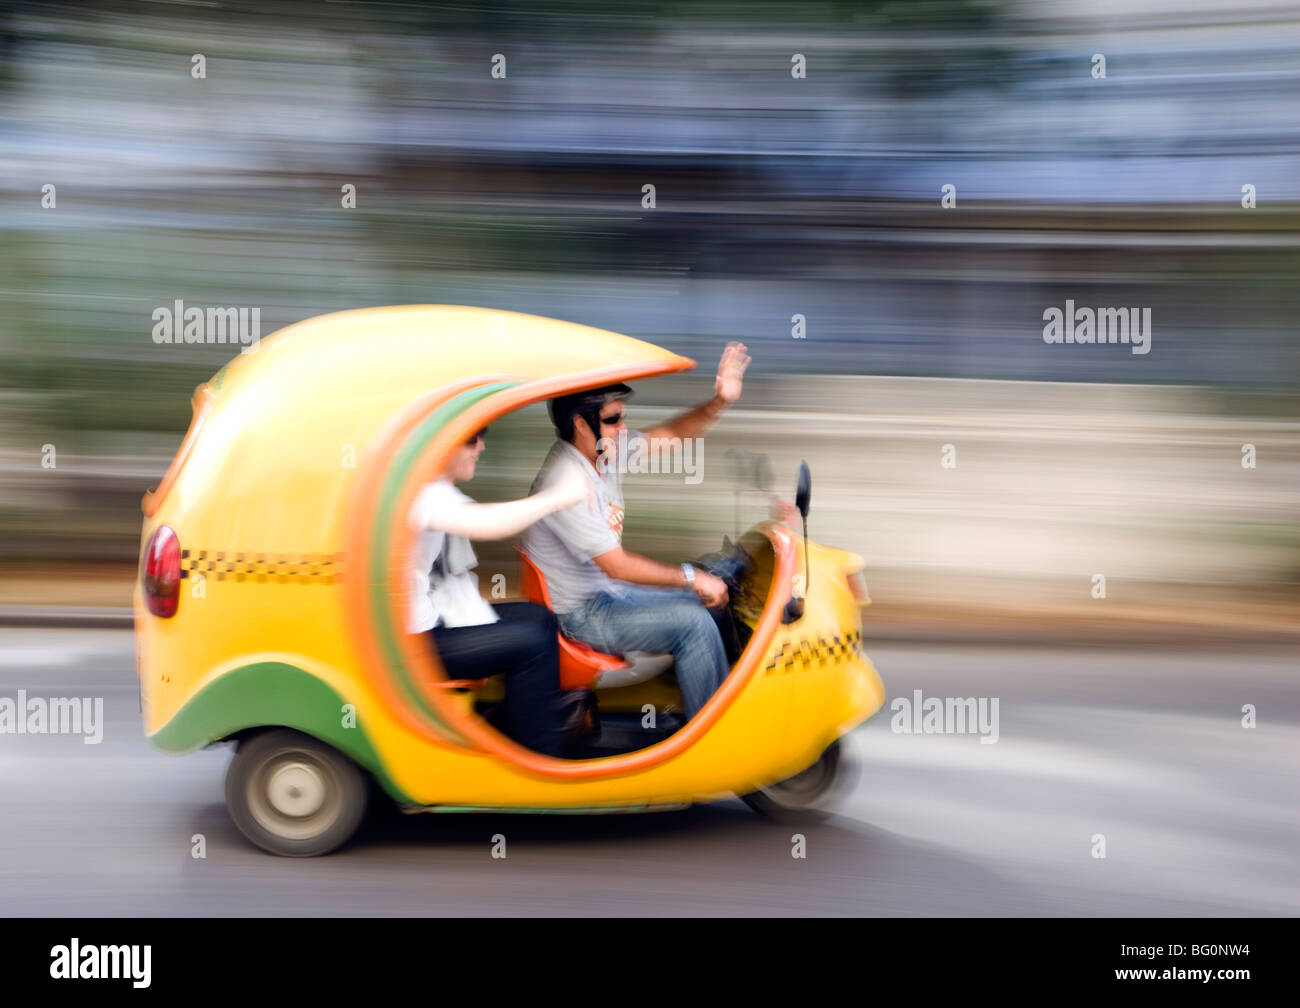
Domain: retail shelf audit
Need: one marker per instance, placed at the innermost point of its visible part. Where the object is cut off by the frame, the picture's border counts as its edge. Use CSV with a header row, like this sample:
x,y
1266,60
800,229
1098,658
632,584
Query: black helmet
x,y
587,405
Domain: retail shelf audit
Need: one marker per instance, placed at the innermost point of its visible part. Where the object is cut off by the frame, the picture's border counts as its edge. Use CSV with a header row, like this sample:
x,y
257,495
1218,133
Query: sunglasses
x,y
615,420
480,436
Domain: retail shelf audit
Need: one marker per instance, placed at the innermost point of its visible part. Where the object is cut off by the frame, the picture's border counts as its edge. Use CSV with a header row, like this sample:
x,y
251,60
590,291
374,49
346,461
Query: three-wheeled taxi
x,y
272,596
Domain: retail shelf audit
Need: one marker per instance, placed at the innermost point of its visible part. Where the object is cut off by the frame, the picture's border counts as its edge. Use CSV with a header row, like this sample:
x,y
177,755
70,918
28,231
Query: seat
x,y
583,667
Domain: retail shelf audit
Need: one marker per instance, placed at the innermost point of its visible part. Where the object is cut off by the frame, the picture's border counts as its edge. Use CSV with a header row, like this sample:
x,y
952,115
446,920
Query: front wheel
x,y
293,795
808,795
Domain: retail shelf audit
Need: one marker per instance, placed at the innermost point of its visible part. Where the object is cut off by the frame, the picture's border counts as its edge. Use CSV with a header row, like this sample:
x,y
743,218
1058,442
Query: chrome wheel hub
x,y
296,789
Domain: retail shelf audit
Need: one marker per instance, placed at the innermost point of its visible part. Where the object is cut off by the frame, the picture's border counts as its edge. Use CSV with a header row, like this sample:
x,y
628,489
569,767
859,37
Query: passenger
x,y
610,599
473,639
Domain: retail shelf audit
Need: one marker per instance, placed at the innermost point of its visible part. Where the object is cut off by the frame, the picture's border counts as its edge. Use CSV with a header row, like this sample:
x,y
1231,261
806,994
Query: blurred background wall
x,y
776,195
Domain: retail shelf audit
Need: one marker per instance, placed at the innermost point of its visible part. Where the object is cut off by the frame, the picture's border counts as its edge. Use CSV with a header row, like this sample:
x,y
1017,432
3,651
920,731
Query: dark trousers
x,y
524,647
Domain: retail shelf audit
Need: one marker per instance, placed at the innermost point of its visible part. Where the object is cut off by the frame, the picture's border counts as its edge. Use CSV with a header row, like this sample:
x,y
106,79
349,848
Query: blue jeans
x,y
657,620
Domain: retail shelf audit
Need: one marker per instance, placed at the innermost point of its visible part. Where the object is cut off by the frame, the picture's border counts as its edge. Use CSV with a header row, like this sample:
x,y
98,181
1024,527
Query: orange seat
x,y
580,665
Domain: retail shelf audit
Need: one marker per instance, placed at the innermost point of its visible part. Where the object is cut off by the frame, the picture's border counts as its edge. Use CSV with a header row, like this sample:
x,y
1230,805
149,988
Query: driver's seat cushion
x,y
580,666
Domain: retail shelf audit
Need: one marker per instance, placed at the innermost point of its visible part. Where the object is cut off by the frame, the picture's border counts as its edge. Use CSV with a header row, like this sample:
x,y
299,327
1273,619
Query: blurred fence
x,y
1049,485
801,160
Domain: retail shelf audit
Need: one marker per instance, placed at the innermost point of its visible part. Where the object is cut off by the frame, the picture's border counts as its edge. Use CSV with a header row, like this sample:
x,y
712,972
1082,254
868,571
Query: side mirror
x,y
803,490
750,470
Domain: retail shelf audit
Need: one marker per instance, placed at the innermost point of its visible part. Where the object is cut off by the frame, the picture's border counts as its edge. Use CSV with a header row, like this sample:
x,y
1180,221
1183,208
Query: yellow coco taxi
x,y
272,596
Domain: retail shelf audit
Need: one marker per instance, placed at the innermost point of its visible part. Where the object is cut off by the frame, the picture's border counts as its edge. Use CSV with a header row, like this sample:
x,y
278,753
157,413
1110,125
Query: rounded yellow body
x,y
292,589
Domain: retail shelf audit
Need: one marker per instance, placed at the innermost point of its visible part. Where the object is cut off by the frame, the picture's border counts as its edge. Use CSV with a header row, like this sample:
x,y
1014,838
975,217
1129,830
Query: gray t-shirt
x,y
563,543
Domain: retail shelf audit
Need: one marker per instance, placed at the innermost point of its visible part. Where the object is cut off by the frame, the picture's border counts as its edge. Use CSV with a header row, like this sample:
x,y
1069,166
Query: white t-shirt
x,y
563,543
443,585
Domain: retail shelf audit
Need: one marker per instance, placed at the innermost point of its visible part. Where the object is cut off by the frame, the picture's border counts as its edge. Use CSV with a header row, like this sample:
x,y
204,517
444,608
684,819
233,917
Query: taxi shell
x,y
285,498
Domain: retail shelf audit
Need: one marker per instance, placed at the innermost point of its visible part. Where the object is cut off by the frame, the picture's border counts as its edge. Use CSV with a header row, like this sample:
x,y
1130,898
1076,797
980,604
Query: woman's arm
x,y
500,521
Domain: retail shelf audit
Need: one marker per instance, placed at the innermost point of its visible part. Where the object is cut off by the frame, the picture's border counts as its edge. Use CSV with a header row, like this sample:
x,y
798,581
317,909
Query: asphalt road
x,y
1146,748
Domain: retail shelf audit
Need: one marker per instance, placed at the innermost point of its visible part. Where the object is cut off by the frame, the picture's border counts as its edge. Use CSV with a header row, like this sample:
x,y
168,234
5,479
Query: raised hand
x,y
731,372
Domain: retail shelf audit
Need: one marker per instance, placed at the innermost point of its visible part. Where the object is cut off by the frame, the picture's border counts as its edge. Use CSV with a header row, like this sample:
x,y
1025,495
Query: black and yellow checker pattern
x,y
266,568
809,653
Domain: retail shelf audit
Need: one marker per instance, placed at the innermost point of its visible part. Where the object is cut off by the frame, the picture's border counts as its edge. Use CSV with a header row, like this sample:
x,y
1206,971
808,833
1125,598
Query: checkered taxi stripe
x,y
272,568
809,653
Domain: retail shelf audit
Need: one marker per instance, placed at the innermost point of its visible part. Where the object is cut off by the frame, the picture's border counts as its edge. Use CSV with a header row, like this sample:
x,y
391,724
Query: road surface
x,y
1145,748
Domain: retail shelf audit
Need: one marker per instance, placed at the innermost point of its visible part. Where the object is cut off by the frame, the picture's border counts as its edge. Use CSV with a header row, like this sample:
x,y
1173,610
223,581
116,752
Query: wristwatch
x,y
688,572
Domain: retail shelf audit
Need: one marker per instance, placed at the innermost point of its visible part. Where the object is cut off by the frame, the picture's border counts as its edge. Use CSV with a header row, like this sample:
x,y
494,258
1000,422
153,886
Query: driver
x,y
604,596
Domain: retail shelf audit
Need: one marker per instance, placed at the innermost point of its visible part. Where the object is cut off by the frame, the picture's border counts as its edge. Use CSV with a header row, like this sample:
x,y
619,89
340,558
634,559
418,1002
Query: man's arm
x,y
694,422
624,566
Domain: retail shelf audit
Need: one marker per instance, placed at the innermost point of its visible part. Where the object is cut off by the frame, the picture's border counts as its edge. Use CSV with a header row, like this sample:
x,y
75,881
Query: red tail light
x,y
161,573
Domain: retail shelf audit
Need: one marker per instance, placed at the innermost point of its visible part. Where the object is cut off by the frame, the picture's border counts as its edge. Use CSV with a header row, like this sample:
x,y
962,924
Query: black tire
x,y
293,795
806,797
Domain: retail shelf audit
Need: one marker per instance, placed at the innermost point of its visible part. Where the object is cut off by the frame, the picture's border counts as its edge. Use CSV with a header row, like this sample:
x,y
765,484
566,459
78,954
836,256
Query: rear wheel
x,y
808,795
293,795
